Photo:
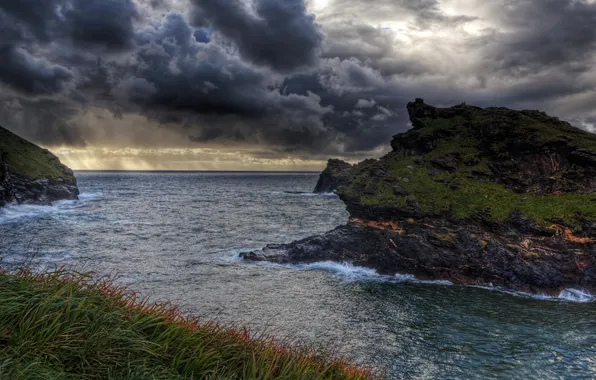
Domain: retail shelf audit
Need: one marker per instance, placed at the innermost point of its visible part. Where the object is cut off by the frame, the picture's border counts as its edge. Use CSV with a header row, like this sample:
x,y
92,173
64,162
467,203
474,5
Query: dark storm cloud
x,y
18,68
268,75
37,16
350,88
89,23
542,34
31,75
105,24
185,75
277,33
215,95
42,120
27,26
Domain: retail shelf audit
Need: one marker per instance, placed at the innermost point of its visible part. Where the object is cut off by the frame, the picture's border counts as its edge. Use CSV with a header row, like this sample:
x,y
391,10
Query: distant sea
x,y
177,235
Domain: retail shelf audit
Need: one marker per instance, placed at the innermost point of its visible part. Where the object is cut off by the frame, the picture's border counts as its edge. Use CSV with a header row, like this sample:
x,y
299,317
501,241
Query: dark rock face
x,y
461,253
527,151
337,173
28,184
473,196
23,190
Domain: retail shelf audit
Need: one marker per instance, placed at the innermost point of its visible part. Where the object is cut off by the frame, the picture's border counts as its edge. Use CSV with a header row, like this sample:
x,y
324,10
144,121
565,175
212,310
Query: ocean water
x,y
178,235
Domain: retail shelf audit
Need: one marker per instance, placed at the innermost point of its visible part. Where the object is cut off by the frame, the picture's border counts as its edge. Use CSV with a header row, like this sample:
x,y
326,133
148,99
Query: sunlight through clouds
x,y
279,80
178,159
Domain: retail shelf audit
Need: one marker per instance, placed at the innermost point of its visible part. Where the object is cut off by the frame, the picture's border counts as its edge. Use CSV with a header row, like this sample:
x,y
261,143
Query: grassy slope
x,y
65,326
25,158
463,193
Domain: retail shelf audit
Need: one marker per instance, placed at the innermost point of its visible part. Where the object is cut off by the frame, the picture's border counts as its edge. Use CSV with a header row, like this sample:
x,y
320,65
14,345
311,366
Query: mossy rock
x,y
464,162
27,159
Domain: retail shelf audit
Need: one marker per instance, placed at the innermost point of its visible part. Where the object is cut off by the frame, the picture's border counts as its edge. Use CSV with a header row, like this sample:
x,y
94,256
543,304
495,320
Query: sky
x,y
276,84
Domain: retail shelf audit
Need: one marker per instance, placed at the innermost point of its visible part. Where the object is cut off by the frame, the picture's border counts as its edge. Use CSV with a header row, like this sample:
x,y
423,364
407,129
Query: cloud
x,y
545,34
277,33
270,77
42,120
217,97
363,103
36,16
104,24
107,24
29,74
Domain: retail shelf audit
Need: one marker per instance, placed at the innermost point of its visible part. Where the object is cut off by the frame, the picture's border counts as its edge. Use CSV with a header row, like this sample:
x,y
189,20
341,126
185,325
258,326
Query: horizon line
x,y
194,171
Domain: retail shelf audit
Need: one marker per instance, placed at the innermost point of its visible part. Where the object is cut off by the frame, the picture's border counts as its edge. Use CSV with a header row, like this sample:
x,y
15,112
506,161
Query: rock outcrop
x,y
337,173
474,196
32,175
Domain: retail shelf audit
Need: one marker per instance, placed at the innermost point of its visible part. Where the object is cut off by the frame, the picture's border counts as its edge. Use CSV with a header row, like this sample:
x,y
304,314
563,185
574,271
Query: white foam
x,y
307,194
568,295
16,213
346,270
332,195
576,295
87,196
351,272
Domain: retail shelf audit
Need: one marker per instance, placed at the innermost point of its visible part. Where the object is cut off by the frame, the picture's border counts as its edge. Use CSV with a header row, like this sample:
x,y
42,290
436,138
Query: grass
x,y
461,197
66,325
463,142
27,159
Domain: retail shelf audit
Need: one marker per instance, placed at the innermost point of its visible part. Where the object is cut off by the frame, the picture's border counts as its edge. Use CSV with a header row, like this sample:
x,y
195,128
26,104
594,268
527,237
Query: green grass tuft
x,y
65,325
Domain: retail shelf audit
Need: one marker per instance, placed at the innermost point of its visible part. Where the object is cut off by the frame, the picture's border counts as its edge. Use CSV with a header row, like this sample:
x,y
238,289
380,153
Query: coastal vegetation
x,y
484,196
27,159
458,195
31,174
466,161
69,325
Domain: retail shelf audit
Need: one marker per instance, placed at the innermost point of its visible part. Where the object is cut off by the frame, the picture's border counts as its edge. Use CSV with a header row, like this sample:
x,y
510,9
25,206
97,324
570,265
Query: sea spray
x,y
18,213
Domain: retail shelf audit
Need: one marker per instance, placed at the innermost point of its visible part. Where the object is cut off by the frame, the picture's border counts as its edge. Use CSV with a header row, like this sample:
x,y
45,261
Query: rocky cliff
x,y
30,174
470,195
339,173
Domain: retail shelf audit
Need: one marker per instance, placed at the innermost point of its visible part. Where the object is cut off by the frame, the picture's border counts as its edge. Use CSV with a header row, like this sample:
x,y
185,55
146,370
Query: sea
x,y
177,236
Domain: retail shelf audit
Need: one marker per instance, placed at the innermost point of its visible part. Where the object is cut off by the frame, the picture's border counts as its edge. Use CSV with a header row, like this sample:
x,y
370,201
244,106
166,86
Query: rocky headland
x,y
32,175
470,195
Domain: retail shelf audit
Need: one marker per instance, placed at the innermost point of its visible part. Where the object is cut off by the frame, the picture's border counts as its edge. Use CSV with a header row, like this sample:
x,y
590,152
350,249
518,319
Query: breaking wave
x,y
354,273
568,295
18,213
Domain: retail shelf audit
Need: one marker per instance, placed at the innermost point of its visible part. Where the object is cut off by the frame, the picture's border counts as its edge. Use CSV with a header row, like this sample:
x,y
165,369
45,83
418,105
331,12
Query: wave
x,y
568,295
576,295
89,196
13,213
308,194
351,272
16,213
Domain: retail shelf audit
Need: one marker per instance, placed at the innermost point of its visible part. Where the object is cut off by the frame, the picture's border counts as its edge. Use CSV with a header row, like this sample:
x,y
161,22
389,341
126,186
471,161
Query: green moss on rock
x,y
466,161
27,159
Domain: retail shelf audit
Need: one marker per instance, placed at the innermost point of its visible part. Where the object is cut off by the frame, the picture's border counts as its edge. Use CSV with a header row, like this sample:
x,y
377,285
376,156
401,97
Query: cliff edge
x,y
471,195
32,175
